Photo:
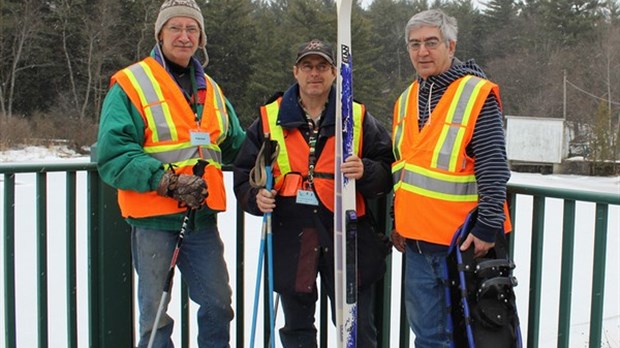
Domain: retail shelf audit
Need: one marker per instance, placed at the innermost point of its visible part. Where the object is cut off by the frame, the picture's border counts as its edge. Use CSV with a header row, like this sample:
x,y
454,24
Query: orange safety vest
x,y
434,182
290,170
169,121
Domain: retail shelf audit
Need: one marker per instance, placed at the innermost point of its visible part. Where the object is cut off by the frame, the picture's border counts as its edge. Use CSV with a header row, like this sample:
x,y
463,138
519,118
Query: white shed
x,y
535,139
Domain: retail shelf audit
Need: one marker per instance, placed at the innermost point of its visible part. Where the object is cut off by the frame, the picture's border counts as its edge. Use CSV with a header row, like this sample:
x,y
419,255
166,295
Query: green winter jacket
x,y
123,164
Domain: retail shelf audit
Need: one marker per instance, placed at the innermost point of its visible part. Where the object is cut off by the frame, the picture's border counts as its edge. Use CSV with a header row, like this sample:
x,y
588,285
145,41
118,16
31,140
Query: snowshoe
x,y
480,294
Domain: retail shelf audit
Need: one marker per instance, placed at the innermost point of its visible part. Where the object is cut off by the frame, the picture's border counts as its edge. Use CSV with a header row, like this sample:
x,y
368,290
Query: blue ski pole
x,y
270,260
259,274
267,153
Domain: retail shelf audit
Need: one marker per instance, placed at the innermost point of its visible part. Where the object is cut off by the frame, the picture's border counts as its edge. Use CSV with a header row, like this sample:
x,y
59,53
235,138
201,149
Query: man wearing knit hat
x,y
163,121
182,8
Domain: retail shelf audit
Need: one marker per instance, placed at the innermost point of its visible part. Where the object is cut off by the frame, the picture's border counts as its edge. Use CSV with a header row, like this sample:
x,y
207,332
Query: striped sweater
x,y
487,146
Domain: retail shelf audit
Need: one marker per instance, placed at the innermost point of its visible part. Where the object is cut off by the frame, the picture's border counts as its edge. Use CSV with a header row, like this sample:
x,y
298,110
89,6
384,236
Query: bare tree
x,y
63,11
147,11
20,28
88,40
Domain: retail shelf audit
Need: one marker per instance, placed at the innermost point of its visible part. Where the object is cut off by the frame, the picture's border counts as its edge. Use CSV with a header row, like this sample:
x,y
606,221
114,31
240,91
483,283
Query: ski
x,y
345,219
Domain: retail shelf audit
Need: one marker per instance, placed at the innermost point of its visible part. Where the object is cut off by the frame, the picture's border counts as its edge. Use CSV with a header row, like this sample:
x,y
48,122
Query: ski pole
x,y
257,293
275,315
198,170
266,153
259,273
270,261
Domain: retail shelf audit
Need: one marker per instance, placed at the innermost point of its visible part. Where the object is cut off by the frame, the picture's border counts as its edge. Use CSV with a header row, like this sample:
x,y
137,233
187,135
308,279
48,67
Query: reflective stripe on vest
x,y
157,97
277,133
398,122
150,94
161,123
434,180
398,169
358,112
451,139
437,185
220,102
447,149
285,164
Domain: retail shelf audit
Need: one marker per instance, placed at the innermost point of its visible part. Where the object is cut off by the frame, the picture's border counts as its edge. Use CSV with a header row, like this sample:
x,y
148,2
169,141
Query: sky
x,y
477,3
26,256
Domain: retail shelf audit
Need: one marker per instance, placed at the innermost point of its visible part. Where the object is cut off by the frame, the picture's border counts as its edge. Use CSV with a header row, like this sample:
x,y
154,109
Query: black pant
x,y
299,308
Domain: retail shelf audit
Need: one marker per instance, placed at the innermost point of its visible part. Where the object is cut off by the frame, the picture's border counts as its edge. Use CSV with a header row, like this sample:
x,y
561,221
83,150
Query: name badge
x,y
306,197
199,138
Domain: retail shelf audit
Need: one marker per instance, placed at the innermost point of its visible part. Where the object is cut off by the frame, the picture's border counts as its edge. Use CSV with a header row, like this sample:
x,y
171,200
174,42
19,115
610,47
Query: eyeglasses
x,y
321,67
191,31
430,44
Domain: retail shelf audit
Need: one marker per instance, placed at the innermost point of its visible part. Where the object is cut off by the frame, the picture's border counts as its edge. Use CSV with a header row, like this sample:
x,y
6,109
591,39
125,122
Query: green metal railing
x,y
110,275
40,171
569,197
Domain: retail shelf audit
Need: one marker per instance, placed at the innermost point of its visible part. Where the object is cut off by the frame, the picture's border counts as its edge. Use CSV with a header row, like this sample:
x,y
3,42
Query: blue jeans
x,y
201,262
425,298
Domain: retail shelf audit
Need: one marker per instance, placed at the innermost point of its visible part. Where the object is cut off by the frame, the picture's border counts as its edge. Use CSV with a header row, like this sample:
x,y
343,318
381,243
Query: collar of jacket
x,y
199,71
292,115
457,70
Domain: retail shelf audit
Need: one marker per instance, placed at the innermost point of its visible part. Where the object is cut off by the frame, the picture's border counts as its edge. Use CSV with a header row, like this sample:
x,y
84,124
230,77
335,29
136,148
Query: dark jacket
x,y
302,232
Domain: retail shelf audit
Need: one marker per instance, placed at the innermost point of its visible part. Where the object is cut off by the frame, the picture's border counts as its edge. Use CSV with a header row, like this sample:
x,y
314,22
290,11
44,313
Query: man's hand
x,y
353,167
398,241
265,200
190,190
481,247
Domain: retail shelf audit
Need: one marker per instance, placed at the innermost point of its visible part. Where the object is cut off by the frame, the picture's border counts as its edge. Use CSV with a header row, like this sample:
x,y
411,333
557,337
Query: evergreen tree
x,y
471,33
395,72
57,56
502,29
567,21
274,56
231,47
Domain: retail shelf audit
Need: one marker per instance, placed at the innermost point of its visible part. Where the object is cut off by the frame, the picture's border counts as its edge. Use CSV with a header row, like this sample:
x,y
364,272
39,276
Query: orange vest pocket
x,y
216,200
290,184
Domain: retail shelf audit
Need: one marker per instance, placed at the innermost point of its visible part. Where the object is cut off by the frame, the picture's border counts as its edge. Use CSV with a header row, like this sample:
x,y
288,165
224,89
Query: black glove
x,y
190,190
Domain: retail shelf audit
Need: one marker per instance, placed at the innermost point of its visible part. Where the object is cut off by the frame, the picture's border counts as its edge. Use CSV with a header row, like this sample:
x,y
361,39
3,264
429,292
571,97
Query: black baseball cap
x,y
317,47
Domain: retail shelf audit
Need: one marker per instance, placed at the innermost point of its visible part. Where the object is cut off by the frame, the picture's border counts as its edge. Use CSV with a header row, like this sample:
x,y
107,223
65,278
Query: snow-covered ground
x,y
26,256
39,154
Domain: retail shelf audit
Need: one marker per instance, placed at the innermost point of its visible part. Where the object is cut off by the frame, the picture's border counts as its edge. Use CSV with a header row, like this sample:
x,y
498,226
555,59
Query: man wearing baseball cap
x,y
302,121
162,119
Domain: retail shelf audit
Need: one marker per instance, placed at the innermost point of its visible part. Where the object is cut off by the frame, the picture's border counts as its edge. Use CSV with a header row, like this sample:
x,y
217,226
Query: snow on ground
x,y
601,184
609,184
40,154
26,282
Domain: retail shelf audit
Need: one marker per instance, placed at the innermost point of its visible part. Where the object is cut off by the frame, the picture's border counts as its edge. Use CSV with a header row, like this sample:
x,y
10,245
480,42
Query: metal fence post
x,y
111,273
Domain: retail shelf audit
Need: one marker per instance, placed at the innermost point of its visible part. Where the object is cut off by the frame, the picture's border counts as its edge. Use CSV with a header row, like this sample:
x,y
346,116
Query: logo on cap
x,y
317,47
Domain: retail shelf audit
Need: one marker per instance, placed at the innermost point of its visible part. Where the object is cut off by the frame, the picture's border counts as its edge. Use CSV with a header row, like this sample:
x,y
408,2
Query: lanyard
x,y
189,92
194,101
312,144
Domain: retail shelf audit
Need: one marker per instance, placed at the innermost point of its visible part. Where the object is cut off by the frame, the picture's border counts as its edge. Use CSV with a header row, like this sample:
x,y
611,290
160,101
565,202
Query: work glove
x,y
189,190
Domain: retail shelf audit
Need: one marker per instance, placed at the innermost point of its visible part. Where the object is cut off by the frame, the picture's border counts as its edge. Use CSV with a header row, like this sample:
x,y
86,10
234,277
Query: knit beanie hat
x,y
180,8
